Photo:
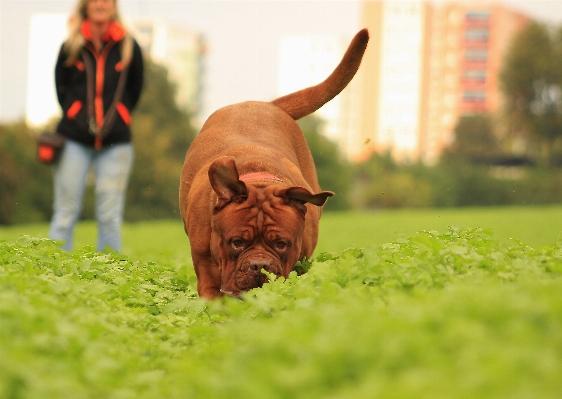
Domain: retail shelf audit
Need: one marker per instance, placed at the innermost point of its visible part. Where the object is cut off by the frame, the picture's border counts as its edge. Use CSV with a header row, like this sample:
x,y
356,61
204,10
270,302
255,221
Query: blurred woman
x,y
99,78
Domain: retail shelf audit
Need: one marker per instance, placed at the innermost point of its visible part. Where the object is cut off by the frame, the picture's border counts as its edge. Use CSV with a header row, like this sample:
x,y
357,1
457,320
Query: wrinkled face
x,y
256,232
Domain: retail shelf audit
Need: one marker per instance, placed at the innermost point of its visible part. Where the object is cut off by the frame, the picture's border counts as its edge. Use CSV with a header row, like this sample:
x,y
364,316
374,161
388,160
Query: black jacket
x,y
71,87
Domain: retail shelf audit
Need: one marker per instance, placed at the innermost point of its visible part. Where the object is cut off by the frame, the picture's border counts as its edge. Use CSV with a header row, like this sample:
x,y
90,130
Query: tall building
x,y
47,32
468,42
426,65
393,78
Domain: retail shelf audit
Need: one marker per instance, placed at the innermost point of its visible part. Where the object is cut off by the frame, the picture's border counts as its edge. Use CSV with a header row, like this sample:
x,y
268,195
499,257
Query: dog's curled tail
x,y
306,101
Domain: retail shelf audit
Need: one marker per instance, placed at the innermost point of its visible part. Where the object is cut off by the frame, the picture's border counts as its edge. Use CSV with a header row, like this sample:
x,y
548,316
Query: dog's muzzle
x,y
249,271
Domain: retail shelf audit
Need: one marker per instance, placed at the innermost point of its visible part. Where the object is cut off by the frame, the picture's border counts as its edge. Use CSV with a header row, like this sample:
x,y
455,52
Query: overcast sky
x,y
243,38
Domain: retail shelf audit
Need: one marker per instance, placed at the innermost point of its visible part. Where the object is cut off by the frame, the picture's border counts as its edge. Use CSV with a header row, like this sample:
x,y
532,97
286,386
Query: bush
x,y
382,183
25,184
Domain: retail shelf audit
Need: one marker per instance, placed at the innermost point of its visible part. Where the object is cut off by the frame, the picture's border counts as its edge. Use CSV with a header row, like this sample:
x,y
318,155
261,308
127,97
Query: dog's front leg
x,y
208,276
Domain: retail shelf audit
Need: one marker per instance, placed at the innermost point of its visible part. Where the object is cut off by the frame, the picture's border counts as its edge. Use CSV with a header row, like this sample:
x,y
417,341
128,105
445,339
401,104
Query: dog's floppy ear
x,y
225,181
303,196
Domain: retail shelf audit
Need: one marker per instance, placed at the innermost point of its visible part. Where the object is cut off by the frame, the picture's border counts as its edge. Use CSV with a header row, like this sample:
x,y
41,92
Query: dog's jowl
x,y
249,194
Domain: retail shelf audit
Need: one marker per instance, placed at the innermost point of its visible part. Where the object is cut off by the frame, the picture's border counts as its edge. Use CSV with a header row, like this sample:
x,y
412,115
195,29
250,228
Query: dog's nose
x,y
258,264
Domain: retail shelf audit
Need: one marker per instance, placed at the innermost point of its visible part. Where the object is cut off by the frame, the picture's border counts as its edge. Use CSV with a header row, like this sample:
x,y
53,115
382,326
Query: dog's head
x,y
257,225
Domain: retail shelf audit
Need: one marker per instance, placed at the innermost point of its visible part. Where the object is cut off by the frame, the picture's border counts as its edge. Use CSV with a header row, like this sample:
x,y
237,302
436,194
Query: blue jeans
x,y
112,168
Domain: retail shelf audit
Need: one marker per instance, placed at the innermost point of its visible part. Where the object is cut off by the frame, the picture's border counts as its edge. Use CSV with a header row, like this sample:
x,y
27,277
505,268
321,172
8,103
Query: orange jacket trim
x,y
115,31
124,113
79,65
74,109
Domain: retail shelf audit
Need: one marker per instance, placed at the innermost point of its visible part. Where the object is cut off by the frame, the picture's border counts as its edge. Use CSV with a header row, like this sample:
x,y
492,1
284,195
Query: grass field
x,y
384,312
534,226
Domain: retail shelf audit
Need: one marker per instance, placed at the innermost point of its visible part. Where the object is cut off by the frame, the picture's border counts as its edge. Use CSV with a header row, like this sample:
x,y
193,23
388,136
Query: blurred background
x,y
457,103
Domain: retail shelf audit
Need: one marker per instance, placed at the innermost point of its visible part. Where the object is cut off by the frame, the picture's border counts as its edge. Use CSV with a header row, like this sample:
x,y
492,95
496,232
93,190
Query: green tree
x,y
382,183
531,80
334,172
474,140
25,184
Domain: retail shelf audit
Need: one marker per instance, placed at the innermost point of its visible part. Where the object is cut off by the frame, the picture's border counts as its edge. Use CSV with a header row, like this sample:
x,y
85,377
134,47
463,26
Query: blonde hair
x,y
75,40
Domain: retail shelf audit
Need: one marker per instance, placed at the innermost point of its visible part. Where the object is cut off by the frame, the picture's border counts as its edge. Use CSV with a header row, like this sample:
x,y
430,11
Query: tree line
x,y
511,158
531,81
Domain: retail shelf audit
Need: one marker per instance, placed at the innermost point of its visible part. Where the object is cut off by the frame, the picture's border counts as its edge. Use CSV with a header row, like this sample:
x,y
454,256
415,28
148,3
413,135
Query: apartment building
x,y
426,65
392,76
468,42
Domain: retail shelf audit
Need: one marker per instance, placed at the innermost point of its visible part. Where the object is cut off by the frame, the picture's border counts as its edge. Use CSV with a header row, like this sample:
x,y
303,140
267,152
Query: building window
x,y
477,75
478,16
474,96
476,55
476,35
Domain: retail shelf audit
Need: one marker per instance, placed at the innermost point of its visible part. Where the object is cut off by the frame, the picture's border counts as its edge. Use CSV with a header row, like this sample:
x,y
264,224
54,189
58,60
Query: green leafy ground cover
x,y
451,314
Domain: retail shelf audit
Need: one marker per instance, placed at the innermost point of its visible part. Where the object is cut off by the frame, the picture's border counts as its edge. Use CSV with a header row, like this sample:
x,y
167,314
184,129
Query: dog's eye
x,y
237,243
281,245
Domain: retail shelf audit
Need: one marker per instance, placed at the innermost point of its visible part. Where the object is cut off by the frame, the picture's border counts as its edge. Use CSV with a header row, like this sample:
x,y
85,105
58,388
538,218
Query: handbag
x,y
49,147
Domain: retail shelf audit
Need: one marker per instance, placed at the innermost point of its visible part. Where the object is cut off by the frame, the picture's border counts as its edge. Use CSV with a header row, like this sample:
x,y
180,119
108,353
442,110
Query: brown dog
x,y
249,195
